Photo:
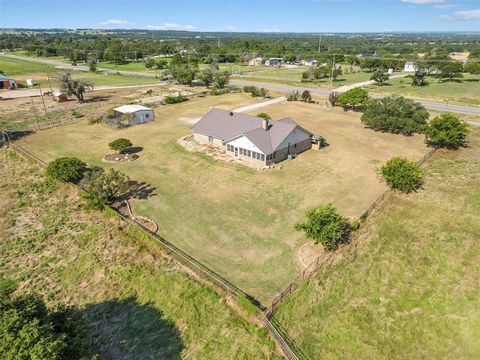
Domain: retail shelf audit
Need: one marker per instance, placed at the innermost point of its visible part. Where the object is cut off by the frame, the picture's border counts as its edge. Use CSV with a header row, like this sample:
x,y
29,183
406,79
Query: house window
x,y
262,157
295,146
240,150
229,147
147,116
210,139
249,153
258,156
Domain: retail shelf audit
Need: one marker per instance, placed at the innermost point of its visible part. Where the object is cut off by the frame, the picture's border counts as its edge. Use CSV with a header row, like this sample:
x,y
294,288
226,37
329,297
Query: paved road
x,y
470,110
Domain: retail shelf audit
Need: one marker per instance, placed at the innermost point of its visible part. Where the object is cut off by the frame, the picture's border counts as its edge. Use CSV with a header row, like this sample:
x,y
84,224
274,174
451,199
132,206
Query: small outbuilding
x,y
59,96
138,114
7,83
410,66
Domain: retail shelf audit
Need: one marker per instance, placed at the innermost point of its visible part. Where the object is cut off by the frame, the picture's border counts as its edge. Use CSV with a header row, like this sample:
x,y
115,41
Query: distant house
x,y
139,114
410,66
7,83
257,141
59,96
310,62
258,61
274,62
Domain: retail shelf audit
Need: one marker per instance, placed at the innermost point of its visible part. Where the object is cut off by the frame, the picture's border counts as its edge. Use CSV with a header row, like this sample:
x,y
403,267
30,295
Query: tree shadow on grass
x,y
133,150
138,190
125,330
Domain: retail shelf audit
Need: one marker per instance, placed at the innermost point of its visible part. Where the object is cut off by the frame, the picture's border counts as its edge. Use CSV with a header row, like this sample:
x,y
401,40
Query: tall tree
x,y
76,87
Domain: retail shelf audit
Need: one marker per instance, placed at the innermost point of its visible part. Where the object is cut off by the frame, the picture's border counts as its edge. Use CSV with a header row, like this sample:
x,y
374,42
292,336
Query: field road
x,y
470,110
364,83
260,105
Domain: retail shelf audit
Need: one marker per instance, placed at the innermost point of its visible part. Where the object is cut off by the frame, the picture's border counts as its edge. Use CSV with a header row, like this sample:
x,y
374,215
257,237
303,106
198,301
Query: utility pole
x,y
319,42
218,40
35,112
153,35
43,100
50,84
331,76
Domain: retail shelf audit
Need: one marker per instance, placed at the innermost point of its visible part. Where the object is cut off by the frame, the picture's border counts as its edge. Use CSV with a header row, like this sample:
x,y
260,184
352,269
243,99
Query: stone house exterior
x,y
256,141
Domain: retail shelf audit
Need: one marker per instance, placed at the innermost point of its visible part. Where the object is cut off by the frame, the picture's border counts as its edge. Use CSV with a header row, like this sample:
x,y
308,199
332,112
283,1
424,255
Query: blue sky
x,y
246,15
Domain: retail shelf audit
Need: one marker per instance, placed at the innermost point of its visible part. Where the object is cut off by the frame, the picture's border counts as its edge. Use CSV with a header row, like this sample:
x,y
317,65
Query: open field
x,y
138,303
407,287
461,91
237,220
293,76
15,67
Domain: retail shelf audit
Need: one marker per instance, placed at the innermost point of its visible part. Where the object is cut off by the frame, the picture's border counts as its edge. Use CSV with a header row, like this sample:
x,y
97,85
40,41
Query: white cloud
x,y
171,26
464,15
421,2
273,29
467,15
231,28
444,6
114,22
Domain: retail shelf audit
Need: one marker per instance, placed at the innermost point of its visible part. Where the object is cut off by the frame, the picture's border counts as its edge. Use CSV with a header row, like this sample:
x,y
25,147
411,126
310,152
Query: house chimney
x,y
231,113
265,124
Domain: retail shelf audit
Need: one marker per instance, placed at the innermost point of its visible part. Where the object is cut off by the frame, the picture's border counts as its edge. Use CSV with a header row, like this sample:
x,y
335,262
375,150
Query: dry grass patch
x,y
237,220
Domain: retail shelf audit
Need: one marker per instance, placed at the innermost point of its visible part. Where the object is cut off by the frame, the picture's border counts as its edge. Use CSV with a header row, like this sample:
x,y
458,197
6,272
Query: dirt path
x,y
260,105
363,83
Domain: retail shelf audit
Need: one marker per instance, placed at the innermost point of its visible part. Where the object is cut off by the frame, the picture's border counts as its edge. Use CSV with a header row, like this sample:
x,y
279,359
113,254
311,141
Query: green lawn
x,y
408,287
238,220
138,303
101,79
293,76
131,66
14,67
462,91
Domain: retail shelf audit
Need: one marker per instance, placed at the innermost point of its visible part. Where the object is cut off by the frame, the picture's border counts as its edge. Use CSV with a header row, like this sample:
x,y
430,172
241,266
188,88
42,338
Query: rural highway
x,y
470,110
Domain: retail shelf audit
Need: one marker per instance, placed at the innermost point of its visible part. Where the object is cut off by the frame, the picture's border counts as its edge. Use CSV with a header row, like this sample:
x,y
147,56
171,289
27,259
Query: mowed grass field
x,y
462,91
14,67
238,220
138,303
293,76
408,286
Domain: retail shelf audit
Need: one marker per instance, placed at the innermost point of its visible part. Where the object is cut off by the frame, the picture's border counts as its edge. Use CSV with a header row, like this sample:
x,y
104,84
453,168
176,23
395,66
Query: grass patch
x,y
238,220
137,303
463,91
13,67
408,286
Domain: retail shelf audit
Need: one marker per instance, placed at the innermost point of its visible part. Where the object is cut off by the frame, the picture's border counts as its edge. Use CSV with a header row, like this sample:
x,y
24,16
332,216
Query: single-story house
x,y
410,66
310,62
257,141
258,61
140,114
59,96
7,83
274,62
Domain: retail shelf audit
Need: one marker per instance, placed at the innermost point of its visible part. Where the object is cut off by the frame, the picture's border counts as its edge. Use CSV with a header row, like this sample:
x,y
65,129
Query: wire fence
x,y
194,265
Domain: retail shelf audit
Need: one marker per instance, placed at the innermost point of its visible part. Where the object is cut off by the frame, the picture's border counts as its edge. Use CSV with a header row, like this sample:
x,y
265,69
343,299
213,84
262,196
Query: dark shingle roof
x,y
225,125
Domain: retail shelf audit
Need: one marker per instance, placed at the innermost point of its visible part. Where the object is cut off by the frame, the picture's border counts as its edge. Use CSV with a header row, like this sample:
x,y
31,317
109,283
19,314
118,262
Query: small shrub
x,y
354,99
293,96
402,174
175,99
333,98
95,120
66,169
120,145
217,91
264,115
325,226
77,114
447,131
